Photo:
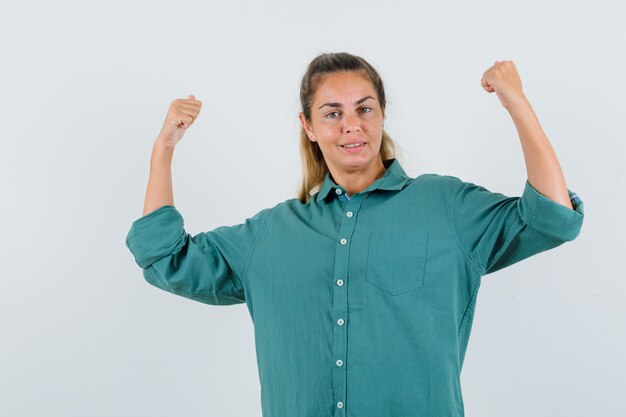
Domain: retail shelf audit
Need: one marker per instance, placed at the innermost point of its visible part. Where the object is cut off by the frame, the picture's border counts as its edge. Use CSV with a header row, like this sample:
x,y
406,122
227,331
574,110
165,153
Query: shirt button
x,y
339,362
349,214
340,322
343,241
338,191
340,282
340,404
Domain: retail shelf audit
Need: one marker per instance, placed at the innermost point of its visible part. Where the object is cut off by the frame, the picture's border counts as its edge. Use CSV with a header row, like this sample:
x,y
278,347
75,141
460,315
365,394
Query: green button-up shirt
x,y
362,305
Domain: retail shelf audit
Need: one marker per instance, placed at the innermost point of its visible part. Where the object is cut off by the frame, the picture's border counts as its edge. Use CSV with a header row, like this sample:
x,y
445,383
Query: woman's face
x,y
346,110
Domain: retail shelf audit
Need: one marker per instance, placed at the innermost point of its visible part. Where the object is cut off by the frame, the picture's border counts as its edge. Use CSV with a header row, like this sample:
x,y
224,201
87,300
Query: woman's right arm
x,y
208,267
180,115
159,192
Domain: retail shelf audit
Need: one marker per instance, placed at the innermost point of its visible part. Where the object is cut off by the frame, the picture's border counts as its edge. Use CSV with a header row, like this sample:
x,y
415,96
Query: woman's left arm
x,y
542,165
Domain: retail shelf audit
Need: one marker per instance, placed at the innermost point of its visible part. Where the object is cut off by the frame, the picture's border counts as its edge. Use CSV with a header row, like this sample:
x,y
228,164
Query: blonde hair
x,y
314,168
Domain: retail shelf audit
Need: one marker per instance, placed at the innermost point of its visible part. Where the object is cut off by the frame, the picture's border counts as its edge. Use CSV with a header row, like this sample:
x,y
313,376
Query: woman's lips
x,y
354,149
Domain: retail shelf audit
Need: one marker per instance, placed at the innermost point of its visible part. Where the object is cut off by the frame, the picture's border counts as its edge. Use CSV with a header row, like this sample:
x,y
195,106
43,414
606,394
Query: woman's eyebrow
x,y
359,101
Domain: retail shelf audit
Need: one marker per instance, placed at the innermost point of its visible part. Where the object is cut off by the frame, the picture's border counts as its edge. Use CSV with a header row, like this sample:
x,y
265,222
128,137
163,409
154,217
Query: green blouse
x,y
362,305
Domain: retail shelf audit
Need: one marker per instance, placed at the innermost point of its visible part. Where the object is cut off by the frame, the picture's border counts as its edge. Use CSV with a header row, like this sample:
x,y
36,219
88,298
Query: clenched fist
x,y
180,115
503,79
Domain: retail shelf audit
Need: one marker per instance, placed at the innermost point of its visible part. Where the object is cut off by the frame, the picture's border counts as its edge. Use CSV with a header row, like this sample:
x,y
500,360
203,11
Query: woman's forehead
x,y
344,86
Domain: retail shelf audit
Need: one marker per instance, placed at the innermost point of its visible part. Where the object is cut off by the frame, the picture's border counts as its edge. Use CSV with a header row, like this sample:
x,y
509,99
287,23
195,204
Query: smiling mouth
x,y
353,145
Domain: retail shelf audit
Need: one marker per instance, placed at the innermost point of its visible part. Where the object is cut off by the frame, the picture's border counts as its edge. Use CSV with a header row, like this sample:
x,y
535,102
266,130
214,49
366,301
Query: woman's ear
x,y
306,126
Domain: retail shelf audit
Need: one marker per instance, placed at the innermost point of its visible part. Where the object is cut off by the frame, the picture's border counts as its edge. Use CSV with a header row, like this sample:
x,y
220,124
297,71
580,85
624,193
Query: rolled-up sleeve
x,y
208,267
496,231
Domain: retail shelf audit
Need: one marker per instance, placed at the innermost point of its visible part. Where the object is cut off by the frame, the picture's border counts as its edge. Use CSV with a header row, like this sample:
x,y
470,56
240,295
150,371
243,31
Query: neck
x,y
357,180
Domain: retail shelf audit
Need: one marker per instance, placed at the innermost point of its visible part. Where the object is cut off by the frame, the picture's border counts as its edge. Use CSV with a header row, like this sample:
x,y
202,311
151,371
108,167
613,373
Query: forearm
x,y
159,192
542,165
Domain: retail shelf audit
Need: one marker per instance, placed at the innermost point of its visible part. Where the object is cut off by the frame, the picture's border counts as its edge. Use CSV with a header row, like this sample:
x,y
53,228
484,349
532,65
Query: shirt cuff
x,y
155,235
550,217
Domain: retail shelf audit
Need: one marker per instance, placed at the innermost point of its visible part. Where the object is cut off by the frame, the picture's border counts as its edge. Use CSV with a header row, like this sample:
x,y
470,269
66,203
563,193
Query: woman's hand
x,y
180,115
504,79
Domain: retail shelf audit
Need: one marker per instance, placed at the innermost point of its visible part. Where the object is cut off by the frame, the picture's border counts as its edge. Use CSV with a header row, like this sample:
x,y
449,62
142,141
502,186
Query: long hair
x,y
314,168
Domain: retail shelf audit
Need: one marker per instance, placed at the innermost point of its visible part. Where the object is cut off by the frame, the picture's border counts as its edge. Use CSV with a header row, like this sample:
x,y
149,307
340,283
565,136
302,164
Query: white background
x,y
85,87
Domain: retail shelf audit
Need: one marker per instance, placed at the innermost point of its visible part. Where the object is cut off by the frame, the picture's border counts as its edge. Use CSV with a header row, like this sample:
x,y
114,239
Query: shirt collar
x,y
394,179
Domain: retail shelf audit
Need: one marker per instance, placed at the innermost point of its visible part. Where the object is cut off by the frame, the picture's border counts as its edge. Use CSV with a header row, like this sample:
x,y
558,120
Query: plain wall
x,y
86,85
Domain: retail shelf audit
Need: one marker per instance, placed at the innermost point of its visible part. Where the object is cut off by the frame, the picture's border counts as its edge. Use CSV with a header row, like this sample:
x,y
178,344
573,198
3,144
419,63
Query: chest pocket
x,y
396,260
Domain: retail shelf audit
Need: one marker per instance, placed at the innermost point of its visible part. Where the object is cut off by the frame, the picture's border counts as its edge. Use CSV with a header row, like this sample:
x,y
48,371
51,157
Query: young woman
x,y
361,290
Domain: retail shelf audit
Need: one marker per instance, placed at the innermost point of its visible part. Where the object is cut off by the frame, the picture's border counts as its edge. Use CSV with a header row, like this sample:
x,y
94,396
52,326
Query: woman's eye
x,y
362,109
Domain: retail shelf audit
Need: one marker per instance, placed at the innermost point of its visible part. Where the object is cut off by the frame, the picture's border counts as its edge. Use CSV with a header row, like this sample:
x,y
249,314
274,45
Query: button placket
x,y
340,296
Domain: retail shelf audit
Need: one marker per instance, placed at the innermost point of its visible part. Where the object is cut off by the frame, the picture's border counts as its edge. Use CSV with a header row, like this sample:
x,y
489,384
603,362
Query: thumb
x,y
191,96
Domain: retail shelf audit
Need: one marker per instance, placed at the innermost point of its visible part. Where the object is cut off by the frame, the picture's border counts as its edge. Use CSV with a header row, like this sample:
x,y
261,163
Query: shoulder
x,y
451,190
285,207
456,191
437,183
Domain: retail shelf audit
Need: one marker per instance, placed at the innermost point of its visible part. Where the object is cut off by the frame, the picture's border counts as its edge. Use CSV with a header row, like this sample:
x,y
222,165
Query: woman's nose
x,y
351,123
